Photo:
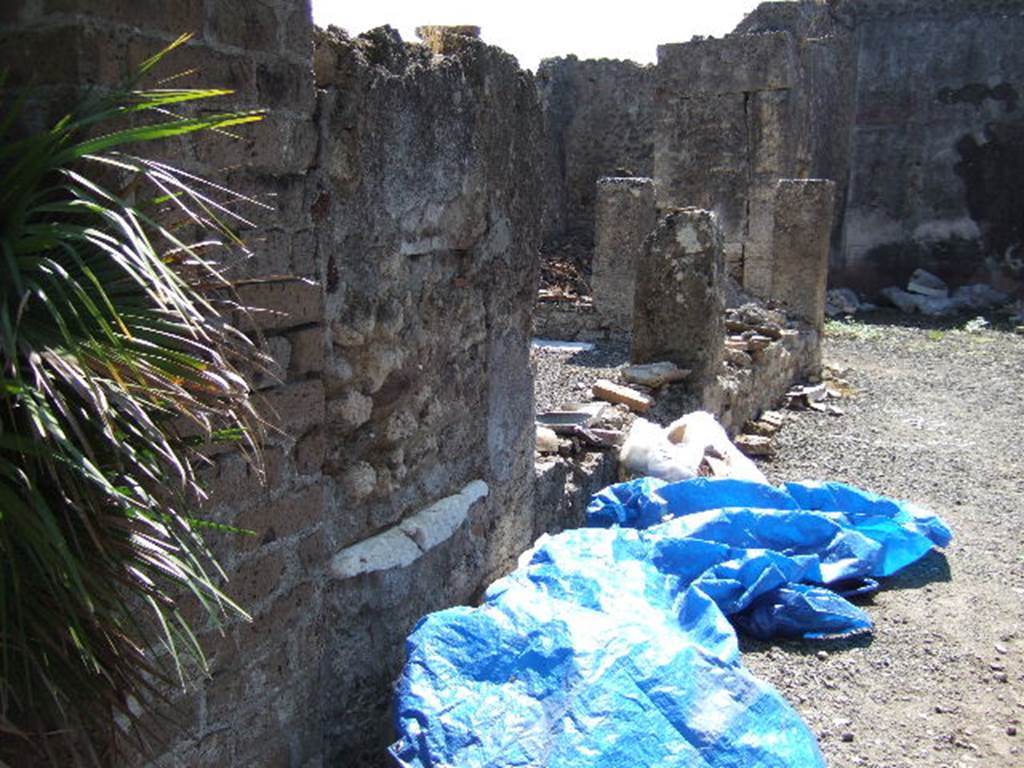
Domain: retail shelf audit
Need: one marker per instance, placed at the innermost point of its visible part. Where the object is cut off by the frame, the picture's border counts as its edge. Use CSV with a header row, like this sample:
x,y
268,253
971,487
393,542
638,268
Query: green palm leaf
x,y
116,368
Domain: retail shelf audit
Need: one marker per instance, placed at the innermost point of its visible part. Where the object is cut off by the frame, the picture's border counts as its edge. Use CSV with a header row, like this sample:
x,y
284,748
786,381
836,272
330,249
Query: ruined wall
x,y
428,211
937,155
736,114
599,122
399,259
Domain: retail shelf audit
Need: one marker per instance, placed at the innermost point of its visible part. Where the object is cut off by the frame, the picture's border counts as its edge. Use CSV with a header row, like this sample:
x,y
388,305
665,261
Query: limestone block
x,y
277,303
625,215
680,295
401,545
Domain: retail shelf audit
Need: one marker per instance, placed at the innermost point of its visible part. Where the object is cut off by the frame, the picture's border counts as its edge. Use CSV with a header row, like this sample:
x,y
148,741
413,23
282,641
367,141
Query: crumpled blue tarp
x,y
611,646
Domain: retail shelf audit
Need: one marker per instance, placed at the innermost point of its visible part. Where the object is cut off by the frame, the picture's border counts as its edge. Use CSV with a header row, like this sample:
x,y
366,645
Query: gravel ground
x,y
935,418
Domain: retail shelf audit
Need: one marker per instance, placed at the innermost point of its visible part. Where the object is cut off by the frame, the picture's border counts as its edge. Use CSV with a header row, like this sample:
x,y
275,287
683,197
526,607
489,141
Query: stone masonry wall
x,y
937,144
428,212
255,708
397,260
599,122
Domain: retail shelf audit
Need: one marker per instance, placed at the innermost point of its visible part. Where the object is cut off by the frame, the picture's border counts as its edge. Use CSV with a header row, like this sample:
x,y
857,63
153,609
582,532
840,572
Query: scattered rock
x,y
758,342
547,440
609,437
804,396
842,301
755,445
616,393
822,655
654,375
738,357
846,737
924,283
563,422
762,428
980,297
1011,730
932,306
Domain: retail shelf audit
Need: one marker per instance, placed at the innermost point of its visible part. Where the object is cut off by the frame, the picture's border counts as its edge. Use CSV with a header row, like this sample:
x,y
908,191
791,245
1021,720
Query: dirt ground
x,y
936,418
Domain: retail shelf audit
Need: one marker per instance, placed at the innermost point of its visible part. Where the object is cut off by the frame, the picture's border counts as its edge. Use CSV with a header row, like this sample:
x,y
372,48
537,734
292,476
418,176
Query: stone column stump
x,y
625,215
800,247
679,305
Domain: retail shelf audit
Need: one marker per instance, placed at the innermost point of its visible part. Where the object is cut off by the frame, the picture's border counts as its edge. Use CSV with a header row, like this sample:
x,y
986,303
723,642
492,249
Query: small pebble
x,y
1002,678
847,737
1000,649
1011,730
822,655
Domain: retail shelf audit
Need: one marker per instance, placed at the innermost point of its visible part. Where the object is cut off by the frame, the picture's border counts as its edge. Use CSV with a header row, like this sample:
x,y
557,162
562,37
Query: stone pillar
x,y
800,247
679,305
625,215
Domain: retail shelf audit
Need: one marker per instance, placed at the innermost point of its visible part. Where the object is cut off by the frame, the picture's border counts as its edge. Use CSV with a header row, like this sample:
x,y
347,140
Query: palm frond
x,y
116,366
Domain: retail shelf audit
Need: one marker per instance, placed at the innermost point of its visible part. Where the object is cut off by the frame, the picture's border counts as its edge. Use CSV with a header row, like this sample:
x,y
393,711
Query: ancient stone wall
x,y
937,144
397,262
599,122
428,212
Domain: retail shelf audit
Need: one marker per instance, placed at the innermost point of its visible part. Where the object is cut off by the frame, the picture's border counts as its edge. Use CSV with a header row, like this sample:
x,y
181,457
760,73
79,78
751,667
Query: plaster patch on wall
x,y
404,543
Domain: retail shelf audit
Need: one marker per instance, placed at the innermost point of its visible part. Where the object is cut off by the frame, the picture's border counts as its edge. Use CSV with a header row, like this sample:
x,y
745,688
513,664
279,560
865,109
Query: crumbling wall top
x,y
738,64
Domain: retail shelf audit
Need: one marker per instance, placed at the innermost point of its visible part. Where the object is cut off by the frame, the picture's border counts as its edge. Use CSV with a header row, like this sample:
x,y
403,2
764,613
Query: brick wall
x,y
396,267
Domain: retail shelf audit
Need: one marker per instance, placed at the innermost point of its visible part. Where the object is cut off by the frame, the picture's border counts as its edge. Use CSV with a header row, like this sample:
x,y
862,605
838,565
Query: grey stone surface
x,y
800,247
936,143
679,306
598,122
625,216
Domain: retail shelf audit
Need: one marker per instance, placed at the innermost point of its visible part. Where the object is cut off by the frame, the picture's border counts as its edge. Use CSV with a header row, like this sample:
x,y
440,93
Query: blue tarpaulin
x,y
614,644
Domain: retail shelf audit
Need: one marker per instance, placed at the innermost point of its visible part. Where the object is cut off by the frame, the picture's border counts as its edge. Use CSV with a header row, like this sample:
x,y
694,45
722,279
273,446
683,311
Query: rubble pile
x,y
928,294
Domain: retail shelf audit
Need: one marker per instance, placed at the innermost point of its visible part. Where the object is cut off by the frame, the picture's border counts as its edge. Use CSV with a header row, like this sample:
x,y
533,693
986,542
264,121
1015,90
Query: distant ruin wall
x,y
405,201
599,122
937,144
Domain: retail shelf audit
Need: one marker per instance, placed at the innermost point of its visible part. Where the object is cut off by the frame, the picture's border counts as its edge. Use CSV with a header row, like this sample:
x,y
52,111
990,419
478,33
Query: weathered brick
x,y
277,303
286,516
258,577
310,452
202,66
233,480
307,352
294,408
243,23
174,18
285,85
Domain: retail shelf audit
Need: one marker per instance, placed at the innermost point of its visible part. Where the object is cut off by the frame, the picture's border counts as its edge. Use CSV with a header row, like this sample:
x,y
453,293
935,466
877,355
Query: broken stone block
x,y
807,396
761,428
679,309
980,297
758,342
624,216
924,283
616,393
842,301
738,357
547,440
755,445
654,375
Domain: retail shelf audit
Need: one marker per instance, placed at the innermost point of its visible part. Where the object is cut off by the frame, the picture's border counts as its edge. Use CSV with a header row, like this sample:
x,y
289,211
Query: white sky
x,y
533,29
